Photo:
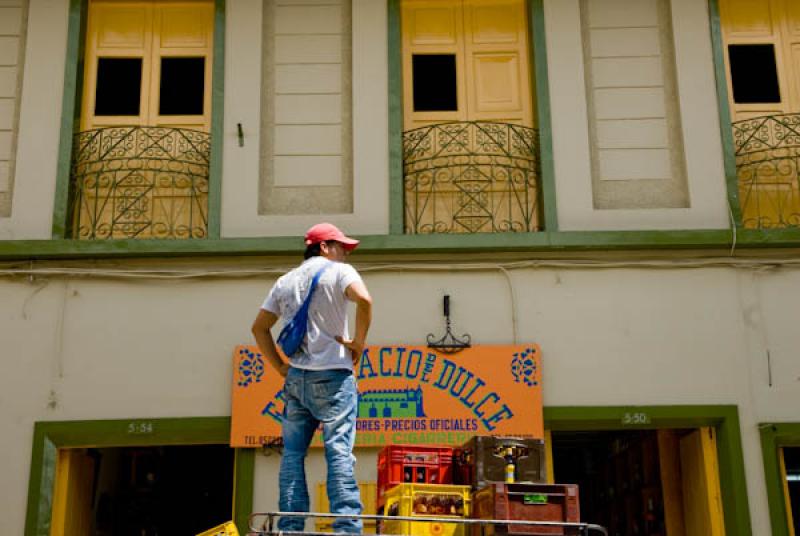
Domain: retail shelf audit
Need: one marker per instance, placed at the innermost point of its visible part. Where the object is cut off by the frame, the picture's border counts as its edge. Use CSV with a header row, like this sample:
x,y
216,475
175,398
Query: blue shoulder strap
x,y
316,280
294,331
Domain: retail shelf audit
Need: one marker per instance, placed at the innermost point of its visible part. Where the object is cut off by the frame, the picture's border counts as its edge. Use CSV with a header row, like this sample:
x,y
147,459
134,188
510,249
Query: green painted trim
x,y
395,65
728,149
729,444
40,496
244,480
547,187
544,242
773,437
732,478
217,122
48,437
277,246
70,109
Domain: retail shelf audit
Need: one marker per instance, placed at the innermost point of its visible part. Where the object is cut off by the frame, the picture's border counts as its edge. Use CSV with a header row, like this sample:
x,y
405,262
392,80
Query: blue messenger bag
x,y
294,332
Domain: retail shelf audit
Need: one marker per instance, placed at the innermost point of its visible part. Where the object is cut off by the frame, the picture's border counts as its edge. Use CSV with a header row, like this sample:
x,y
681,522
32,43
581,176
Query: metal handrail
x,y
140,182
471,177
767,152
766,132
268,527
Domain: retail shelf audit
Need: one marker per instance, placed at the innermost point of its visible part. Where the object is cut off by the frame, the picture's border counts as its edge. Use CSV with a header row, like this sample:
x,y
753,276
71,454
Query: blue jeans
x,y
313,397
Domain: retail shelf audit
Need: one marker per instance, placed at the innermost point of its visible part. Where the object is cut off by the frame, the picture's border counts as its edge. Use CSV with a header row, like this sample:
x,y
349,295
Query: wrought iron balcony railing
x,y
140,182
768,167
471,177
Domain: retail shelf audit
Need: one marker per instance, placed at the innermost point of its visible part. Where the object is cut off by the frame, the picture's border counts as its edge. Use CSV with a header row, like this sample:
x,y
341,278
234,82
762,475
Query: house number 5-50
x,y
635,418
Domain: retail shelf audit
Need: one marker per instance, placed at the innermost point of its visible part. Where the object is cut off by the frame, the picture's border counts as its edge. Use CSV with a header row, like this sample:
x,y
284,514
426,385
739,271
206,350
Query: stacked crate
x,y
494,477
533,502
426,500
508,479
413,464
485,459
417,481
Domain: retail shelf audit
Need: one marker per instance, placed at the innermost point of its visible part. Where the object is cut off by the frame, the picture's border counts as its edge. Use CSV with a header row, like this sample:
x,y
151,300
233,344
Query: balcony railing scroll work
x,y
768,169
137,182
471,177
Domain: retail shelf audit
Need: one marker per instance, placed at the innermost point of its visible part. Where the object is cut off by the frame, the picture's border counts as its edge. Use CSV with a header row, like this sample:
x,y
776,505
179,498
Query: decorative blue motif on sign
x,y
251,367
523,367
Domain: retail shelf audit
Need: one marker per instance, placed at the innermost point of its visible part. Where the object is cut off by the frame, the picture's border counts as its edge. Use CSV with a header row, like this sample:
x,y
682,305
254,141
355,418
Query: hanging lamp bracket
x,y
448,343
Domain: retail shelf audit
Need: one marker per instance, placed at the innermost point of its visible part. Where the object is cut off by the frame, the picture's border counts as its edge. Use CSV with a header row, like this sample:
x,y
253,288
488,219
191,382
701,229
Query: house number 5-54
x,y
139,428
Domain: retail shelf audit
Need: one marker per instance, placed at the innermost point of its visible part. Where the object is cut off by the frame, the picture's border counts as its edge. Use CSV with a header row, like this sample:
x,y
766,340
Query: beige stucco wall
x,y
306,101
13,15
697,103
698,119
109,349
634,122
370,183
39,120
40,114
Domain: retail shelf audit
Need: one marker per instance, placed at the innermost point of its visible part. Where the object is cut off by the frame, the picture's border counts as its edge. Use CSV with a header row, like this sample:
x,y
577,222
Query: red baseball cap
x,y
328,231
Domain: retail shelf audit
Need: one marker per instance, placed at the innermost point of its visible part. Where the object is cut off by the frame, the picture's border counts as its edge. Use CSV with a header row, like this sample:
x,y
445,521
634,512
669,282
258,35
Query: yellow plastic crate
x,y
367,490
226,529
426,500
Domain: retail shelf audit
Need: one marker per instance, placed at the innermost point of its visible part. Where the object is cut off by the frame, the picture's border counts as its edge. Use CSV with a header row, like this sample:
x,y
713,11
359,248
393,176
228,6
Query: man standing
x,y
320,386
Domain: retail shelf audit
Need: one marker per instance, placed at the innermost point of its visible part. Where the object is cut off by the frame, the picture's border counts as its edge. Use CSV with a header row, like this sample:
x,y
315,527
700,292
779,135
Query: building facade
x,y
614,180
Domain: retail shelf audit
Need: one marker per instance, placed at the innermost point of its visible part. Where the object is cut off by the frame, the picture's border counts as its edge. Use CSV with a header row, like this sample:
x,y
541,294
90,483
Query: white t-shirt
x,y
327,313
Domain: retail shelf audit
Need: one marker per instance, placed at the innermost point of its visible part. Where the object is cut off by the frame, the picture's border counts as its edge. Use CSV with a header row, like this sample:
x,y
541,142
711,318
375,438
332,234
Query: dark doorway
x,y
149,491
618,477
644,482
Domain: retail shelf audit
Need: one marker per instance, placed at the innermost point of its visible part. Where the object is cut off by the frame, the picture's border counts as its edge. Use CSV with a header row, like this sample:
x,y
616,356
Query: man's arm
x,y
357,292
261,331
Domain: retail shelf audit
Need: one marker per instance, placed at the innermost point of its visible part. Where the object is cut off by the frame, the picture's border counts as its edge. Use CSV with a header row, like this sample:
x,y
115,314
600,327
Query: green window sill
x,y
546,242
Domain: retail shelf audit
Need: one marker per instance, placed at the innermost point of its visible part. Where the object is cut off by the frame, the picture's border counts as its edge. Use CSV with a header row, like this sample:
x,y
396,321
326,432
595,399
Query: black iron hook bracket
x,y
449,343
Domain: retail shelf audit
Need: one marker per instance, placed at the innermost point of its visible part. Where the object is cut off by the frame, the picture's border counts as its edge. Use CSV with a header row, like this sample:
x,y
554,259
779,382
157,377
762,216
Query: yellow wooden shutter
x,y
496,60
702,497
786,497
72,500
489,39
150,31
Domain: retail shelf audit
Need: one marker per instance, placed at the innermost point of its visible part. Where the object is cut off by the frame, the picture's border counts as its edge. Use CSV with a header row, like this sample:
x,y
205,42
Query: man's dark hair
x,y
314,250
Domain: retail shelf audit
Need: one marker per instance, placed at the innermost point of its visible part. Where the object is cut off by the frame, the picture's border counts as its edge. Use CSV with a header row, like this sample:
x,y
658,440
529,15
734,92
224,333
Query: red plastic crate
x,y
413,464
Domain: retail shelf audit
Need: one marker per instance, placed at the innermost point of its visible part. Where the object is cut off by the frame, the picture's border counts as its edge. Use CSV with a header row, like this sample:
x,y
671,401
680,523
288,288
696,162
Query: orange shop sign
x,y
408,395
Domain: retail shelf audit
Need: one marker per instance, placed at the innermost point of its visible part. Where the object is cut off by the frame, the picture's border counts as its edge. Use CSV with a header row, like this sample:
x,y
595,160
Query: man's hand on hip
x,y
283,370
261,331
356,348
358,293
